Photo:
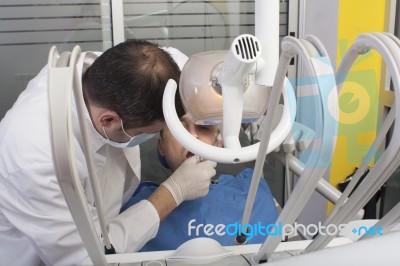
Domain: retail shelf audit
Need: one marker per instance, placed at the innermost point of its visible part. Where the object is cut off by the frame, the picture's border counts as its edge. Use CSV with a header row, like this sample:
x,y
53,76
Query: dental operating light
x,y
205,83
219,87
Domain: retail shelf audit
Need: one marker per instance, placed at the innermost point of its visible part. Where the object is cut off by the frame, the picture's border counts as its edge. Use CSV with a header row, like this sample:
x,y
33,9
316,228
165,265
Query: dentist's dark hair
x,y
129,79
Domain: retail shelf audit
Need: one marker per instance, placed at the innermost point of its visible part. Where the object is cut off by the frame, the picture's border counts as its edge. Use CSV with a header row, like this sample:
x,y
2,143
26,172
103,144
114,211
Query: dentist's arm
x,y
190,181
163,202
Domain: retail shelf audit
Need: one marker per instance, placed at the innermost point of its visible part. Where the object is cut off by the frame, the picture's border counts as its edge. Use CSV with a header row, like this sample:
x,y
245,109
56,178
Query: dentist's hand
x,y
191,180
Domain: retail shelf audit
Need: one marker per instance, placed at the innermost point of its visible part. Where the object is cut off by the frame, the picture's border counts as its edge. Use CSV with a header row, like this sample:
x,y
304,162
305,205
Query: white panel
x,y
175,20
45,2
39,12
134,9
51,37
22,25
177,32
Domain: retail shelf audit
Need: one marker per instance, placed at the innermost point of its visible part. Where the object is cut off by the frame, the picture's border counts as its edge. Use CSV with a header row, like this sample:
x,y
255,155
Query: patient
x,y
224,204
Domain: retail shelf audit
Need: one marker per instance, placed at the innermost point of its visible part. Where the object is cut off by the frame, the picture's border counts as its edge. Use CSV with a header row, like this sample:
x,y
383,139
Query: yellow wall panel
x,y
359,98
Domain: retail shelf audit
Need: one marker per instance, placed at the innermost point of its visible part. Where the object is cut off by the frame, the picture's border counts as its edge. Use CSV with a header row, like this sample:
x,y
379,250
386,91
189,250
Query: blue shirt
x,y
224,204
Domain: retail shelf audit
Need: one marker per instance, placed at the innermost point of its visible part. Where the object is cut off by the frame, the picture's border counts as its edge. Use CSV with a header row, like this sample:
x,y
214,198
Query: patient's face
x,y
175,154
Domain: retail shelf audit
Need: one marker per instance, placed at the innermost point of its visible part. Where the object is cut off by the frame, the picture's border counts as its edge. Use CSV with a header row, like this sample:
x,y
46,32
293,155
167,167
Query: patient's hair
x,y
130,79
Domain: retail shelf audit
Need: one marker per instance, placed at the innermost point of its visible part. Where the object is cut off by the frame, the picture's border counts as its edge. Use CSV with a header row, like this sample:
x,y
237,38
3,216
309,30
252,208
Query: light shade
x,y
203,101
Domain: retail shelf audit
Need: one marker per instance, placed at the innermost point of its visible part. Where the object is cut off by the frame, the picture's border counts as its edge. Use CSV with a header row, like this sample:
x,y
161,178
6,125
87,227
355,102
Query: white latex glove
x,y
191,180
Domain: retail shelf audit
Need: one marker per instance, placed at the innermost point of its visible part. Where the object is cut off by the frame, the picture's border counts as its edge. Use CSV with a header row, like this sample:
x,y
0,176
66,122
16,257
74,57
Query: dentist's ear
x,y
109,118
104,118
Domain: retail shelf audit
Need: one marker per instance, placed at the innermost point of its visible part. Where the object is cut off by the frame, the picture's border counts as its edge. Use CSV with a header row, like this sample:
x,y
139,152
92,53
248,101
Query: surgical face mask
x,y
135,140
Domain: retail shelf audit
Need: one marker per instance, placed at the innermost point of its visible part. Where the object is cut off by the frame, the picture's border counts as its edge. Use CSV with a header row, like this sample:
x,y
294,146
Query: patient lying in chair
x,y
224,204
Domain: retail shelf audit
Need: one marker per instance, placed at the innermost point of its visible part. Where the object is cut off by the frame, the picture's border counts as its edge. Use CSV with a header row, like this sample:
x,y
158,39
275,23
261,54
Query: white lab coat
x,y
35,223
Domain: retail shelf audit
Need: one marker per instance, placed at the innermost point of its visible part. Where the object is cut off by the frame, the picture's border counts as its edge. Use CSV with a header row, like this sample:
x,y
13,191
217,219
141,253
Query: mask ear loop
x,y
123,130
104,131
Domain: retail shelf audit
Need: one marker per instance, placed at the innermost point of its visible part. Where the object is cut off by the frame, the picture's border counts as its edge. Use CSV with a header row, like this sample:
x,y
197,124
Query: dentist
x,y
123,90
